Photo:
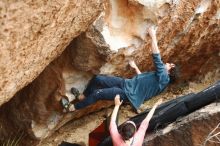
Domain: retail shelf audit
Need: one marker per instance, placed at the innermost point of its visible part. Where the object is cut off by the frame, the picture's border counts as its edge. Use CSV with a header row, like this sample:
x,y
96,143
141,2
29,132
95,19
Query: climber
x,y
141,87
128,134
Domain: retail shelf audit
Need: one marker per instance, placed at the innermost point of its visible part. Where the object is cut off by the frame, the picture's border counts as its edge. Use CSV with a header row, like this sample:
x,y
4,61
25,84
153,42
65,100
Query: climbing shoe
x,y
65,103
75,92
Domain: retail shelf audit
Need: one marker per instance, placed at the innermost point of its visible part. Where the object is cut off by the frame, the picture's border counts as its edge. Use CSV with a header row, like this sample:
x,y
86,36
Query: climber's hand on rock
x,y
152,31
117,100
132,64
160,101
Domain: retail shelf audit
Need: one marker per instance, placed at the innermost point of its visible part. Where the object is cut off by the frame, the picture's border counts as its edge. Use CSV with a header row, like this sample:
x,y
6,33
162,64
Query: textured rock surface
x,y
40,113
191,130
90,52
188,34
33,33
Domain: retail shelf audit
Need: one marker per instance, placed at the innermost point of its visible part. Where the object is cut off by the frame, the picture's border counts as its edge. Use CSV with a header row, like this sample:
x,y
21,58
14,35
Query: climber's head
x,y
127,130
173,71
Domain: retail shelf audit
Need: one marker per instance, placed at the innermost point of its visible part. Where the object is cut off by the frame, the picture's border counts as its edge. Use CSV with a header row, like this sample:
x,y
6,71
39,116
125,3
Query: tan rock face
x,y
188,34
32,34
39,102
90,52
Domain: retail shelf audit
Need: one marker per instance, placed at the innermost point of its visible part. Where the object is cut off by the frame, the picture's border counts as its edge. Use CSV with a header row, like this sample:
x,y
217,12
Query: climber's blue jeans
x,y
102,87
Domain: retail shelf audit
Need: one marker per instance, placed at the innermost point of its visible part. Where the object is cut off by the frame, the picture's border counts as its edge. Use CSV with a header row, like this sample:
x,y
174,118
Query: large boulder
x,y
39,102
188,34
33,33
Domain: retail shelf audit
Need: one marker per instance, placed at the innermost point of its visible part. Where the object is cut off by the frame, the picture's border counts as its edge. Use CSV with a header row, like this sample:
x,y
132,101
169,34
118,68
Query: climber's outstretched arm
x,y
152,33
133,65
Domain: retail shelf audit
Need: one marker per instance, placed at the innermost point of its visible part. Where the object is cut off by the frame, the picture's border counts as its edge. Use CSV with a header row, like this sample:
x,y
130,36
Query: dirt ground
x,y
77,131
